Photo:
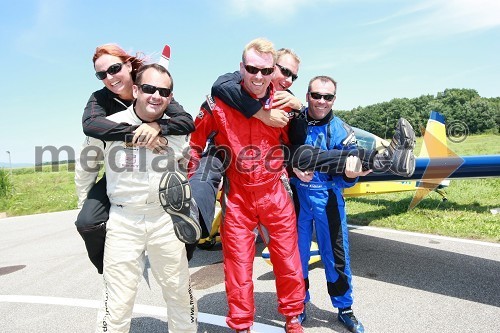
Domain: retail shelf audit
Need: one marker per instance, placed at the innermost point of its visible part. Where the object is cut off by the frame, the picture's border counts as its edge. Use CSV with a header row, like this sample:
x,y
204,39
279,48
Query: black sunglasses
x,y
149,89
327,97
286,72
255,70
112,70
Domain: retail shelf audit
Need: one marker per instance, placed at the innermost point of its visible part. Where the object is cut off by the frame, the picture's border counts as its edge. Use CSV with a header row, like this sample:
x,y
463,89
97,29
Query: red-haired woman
x,y
117,69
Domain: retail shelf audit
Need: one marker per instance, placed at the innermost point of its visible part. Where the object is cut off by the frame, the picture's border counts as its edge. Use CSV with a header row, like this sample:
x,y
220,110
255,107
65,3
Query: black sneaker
x,y
175,197
348,319
398,158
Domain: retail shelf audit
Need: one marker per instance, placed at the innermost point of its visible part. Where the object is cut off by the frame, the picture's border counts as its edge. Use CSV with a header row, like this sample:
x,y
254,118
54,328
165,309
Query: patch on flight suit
x,y
207,106
210,102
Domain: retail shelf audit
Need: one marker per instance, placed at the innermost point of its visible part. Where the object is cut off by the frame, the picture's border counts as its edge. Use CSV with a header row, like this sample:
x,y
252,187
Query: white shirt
x,y
132,173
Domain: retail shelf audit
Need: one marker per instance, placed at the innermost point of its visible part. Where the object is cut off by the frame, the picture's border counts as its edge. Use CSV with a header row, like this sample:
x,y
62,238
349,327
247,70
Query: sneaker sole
x,y
409,134
175,192
175,197
186,230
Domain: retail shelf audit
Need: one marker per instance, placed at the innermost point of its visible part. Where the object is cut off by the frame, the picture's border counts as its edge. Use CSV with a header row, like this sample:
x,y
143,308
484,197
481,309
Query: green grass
x,y
6,186
466,213
40,192
485,144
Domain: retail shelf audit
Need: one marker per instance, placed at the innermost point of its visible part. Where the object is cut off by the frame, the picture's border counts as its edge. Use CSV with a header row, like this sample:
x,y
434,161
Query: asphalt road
x,y
403,282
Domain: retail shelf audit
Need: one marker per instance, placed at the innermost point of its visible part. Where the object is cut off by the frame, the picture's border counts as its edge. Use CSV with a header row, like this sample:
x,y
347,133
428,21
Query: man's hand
x,y
305,176
145,134
283,99
159,145
353,168
273,117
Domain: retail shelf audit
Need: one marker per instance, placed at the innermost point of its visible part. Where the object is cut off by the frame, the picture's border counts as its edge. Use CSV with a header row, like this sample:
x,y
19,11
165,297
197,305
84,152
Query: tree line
x,y
479,114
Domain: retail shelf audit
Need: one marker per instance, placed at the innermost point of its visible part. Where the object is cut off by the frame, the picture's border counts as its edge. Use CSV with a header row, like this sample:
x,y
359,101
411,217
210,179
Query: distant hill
x,y
16,165
27,165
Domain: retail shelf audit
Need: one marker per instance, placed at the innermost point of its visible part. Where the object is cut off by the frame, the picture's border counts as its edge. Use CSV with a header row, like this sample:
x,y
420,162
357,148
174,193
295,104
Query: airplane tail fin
x,y
434,145
434,132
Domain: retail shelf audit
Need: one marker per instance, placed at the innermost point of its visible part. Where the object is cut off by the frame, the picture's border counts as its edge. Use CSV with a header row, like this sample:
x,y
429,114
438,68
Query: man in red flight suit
x,y
255,194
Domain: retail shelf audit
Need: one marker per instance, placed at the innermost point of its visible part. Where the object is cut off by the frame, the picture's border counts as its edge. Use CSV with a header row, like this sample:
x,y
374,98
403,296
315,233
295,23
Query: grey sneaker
x,y
175,197
398,158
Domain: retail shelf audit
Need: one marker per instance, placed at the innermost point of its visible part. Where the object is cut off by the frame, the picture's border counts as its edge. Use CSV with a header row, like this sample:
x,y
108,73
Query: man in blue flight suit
x,y
318,195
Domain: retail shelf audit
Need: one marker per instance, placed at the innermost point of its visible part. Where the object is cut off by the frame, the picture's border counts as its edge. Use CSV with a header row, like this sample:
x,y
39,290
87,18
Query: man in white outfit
x,y
137,221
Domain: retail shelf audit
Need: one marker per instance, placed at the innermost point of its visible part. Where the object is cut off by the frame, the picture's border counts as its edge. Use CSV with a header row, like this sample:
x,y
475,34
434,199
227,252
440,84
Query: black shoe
x,y
175,197
398,158
348,319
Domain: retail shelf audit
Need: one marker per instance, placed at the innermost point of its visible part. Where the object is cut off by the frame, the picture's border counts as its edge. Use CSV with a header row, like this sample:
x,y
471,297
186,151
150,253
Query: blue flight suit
x,y
321,201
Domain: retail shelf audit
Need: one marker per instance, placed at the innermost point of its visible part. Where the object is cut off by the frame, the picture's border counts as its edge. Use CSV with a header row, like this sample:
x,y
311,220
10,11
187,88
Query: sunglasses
x,y
286,72
149,89
255,70
327,97
112,70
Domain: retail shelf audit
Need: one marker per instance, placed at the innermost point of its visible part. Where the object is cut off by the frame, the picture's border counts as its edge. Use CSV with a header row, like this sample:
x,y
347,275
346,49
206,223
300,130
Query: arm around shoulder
x,y
94,122
179,122
228,88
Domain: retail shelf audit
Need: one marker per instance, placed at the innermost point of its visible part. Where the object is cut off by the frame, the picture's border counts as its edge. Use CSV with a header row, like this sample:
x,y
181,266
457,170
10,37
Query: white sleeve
x,y
180,145
87,165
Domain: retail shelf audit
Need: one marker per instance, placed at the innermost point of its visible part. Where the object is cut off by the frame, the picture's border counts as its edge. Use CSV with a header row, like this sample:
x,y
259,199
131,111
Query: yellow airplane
x,y
435,132
435,129
435,164
368,141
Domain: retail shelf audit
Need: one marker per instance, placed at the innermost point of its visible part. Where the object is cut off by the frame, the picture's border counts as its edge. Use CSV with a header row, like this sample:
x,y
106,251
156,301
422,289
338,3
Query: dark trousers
x,y
204,187
91,222
307,157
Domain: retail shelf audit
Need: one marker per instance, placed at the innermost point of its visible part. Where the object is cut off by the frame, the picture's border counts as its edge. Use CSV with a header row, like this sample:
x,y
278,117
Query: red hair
x,y
113,49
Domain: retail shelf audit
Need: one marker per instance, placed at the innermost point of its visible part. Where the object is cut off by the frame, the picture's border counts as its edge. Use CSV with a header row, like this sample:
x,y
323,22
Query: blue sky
x,y
376,49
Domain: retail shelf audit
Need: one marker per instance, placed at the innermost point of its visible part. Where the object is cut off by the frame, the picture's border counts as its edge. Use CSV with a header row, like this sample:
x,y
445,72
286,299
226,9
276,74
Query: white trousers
x,y
130,232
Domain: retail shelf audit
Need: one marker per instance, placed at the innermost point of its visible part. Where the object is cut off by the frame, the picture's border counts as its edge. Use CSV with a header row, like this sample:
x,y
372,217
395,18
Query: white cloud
x,y
424,20
466,15
272,8
440,18
402,13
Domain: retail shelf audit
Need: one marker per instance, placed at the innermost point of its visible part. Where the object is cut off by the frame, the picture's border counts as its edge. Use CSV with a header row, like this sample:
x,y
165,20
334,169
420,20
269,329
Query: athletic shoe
x,y
175,197
398,158
293,325
348,319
